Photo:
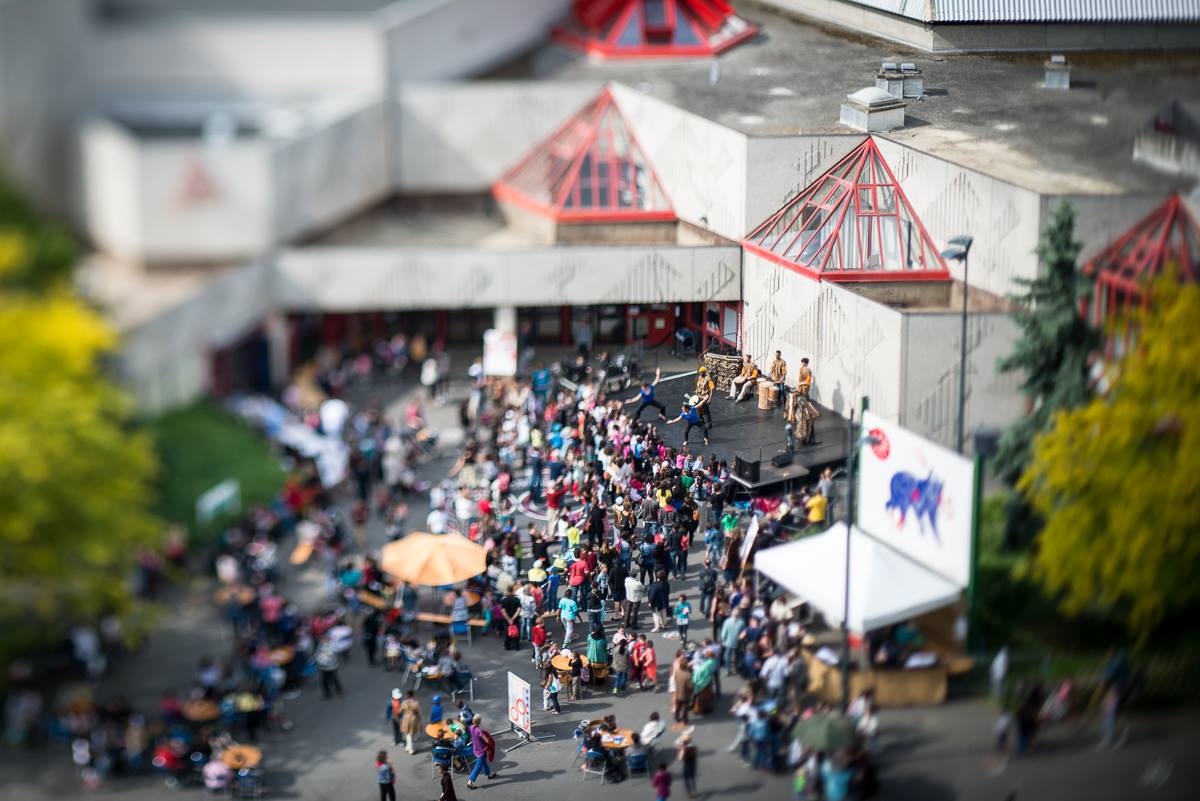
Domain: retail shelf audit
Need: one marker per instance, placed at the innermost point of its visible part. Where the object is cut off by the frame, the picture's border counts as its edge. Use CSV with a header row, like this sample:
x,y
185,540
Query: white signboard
x,y
225,498
499,352
748,543
519,713
916,497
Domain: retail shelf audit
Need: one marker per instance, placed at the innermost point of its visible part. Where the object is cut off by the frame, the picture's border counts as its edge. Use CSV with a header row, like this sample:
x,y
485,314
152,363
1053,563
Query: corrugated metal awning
x,y
1040,10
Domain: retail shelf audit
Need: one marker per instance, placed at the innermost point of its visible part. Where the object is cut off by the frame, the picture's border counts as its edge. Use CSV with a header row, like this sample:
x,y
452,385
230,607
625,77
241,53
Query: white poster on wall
x,y
916,497
499,352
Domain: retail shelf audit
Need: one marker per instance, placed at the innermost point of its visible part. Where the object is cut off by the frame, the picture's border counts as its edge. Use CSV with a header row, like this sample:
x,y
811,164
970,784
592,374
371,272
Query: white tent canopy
x,y
886,586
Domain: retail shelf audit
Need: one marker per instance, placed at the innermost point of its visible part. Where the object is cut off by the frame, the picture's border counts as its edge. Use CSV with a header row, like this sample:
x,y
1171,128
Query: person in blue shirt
x,y
689,414
541,380
645,397
553,580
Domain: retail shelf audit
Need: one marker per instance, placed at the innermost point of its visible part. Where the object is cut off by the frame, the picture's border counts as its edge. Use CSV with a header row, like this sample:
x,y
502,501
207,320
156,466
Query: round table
x,y
439,731
470,596
618,740
563,665
240,592
242,756
282,655
201,711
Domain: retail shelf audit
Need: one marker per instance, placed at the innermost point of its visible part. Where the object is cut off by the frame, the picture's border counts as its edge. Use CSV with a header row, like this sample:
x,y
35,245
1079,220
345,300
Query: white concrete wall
x,y
702,164
461,136
931,360
1100,219
780,167
331,173
441,39
165,361
41,90
854,345
1004,219
360,279
110,181
234,220
240,55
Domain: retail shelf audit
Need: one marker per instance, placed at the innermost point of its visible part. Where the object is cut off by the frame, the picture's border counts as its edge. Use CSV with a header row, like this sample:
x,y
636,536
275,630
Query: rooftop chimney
x,y
890,79
873,110
1058,73
914,81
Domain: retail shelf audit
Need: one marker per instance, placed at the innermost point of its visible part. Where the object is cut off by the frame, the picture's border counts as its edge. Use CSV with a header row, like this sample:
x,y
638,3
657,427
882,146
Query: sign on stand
x,y
520,711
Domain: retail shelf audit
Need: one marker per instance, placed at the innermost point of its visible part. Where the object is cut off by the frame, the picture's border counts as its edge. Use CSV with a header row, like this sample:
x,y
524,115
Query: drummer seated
x,y
750,385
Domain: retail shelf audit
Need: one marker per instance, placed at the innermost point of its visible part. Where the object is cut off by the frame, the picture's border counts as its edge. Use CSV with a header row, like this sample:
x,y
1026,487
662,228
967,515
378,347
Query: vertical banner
x,y
519,710
499,352
748,543
917,497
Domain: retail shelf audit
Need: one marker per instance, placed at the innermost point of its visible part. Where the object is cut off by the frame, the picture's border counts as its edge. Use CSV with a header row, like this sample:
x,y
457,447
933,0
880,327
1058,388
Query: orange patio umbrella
x,y
433,560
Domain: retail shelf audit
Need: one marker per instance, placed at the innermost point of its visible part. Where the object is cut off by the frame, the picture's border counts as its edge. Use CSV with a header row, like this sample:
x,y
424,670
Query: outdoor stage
x,y
741,428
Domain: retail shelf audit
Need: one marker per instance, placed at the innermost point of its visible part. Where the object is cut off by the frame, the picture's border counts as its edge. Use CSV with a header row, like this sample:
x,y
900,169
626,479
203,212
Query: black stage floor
x,y
742,428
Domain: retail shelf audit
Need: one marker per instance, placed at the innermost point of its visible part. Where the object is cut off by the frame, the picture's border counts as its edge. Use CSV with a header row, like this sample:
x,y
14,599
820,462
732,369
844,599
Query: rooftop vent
x,y
914,81
890,79
1058,73
873,110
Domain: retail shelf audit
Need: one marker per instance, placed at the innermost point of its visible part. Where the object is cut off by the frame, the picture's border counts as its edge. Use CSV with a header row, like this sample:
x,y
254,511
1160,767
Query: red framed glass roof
x,y
854,223
650,28
592,169
1167,235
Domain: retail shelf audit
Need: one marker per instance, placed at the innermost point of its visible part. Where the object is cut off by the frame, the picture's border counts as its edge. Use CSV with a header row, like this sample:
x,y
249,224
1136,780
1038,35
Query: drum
x,y
764,395
774,395
791,407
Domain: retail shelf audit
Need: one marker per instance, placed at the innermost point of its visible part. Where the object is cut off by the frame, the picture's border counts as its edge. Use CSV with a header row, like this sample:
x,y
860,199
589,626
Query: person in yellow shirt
x,y
748,370
705,387
816,505
805,379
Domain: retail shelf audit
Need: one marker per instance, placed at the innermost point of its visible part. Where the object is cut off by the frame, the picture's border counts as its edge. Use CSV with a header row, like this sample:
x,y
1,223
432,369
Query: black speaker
x,y
783,458
746,469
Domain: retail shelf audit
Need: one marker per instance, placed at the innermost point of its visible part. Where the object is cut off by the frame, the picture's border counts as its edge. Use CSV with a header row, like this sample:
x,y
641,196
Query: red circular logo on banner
x,y
880,447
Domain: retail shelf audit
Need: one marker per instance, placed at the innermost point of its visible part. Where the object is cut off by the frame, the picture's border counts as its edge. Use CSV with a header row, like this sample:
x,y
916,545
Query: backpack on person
x,y
385,773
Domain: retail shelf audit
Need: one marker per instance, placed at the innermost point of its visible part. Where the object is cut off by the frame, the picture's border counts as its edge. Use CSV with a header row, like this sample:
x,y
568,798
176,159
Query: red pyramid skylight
x,y
854,223
592,169
647,28
1168,235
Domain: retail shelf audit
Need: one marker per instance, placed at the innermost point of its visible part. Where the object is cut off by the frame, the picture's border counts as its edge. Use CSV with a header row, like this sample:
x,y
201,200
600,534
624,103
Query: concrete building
x,y
245,210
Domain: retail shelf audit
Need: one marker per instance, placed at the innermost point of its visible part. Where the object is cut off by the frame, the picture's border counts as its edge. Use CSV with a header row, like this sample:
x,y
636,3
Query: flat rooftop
x,y
985,112
427,222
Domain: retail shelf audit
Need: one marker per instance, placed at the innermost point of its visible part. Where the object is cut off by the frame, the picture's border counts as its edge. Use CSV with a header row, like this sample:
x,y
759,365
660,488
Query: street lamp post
x,y
959,250
855,442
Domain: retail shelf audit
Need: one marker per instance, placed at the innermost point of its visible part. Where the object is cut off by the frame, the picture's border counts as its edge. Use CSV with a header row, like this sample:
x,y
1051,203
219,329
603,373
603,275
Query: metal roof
x,y
1040,10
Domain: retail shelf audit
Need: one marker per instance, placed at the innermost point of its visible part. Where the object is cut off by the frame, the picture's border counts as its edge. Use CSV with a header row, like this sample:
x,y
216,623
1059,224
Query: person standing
x,y
681,677
386,777
410,719
568,611
708,586
448,793
688,755
327,665
480,741
778,373
635,592
804,380
661,780
683,616
660,600
705,387
645,398
550,690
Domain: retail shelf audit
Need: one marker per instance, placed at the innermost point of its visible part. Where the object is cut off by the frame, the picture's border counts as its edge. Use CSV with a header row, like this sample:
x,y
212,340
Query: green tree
x,y
75,481
1116,479
1052,353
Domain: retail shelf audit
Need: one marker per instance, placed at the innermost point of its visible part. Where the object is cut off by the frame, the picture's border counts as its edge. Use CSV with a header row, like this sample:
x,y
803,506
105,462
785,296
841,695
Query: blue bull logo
x,y
923,496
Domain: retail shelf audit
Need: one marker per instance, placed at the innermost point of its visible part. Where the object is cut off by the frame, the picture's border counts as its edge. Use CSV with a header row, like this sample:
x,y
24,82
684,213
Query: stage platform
x,y
742,428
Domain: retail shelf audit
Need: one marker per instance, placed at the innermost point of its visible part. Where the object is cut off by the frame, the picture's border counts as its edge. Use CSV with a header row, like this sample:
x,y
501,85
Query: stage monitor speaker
x,y
746,469
783,458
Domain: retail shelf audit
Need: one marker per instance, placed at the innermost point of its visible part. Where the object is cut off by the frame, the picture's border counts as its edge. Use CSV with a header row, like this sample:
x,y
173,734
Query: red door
x,y
651,325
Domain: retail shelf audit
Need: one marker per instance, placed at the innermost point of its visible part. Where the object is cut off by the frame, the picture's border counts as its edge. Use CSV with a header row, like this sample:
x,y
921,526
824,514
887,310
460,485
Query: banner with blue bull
x,y
916,497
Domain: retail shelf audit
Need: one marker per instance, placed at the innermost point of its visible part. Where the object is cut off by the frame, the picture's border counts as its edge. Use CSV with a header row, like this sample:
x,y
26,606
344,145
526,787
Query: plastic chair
x,y
578,735
248,784
594,763
600,673
460,628
637,763
441,756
